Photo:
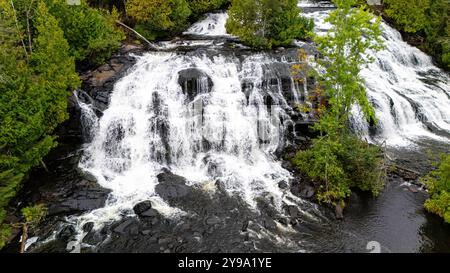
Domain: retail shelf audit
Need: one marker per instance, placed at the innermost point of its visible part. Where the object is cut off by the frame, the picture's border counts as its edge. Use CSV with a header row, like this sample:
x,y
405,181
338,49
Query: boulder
x,y
141,207
194,82
171,186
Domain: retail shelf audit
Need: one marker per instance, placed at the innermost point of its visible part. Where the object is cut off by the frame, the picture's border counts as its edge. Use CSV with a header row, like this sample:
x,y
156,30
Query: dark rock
x,y
66,233
213,220
171,186
146,232
245,226
194,82
123,227
293,211
141,207
93,238
89,177
269,224
307,192
150,213
283,185
88,226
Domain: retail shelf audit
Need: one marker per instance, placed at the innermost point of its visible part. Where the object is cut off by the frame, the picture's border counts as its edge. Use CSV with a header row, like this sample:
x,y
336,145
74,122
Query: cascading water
x,y
410,95
221,118
190,114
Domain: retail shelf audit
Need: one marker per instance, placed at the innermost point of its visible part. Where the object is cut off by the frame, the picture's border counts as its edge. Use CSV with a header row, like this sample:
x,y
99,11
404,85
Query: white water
x,y
404,103
150,123
212,25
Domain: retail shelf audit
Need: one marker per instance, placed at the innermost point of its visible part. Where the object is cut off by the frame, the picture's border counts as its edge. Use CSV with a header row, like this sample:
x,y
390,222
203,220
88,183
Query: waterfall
x,y
206,118
410,95
212,116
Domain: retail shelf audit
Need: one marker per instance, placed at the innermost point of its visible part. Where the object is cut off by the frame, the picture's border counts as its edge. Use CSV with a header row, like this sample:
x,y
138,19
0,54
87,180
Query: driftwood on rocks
x,y
140,36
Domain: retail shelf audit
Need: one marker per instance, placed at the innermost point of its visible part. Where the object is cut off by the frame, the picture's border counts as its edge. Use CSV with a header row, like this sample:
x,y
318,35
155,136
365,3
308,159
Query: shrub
x,y
438,182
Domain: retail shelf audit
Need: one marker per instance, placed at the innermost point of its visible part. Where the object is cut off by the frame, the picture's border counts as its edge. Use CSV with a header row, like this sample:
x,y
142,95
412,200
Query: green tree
x,y
438,182
199,7
32,215
157,18
267,23
338,160
92,34
57,73
33,96
410,15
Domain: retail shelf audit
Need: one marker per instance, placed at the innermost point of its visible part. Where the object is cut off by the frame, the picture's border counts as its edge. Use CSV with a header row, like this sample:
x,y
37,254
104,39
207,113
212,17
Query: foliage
x,y
92,34
33,95
429,18
338,164
438,182
33,214
408,14
159,17
337,159
199,7
267,23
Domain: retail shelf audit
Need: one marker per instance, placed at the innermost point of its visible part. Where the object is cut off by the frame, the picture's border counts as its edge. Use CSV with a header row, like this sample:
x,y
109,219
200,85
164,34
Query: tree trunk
x,y
24,238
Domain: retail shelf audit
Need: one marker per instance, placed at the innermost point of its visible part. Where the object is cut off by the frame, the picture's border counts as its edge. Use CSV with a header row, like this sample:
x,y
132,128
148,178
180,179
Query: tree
x,y
57,74
199,7
32,215
338,160
158,17
33,96
267,23
410,15
92,35
438,182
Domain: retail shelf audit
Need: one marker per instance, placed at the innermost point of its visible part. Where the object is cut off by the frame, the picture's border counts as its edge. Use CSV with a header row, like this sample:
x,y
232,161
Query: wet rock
x,y
283,185
146,232
269,224
81,201
213,220
149,213
307,192
124,226
141,207
171,186
93,238
194,82
88,226
89,177
294,212
66,233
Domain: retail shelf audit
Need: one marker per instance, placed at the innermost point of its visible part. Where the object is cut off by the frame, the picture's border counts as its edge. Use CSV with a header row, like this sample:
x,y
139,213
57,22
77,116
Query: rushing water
x,y
222,117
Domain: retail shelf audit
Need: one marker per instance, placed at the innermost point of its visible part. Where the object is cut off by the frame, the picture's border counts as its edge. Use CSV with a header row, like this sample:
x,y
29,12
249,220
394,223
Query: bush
x,y
156,18
337,165
410,15
198,7
438,182
267,23
92,35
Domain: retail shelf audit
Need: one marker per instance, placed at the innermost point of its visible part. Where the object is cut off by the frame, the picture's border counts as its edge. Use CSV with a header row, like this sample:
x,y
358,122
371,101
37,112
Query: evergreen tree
x,y
33,96
410,15
267,23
